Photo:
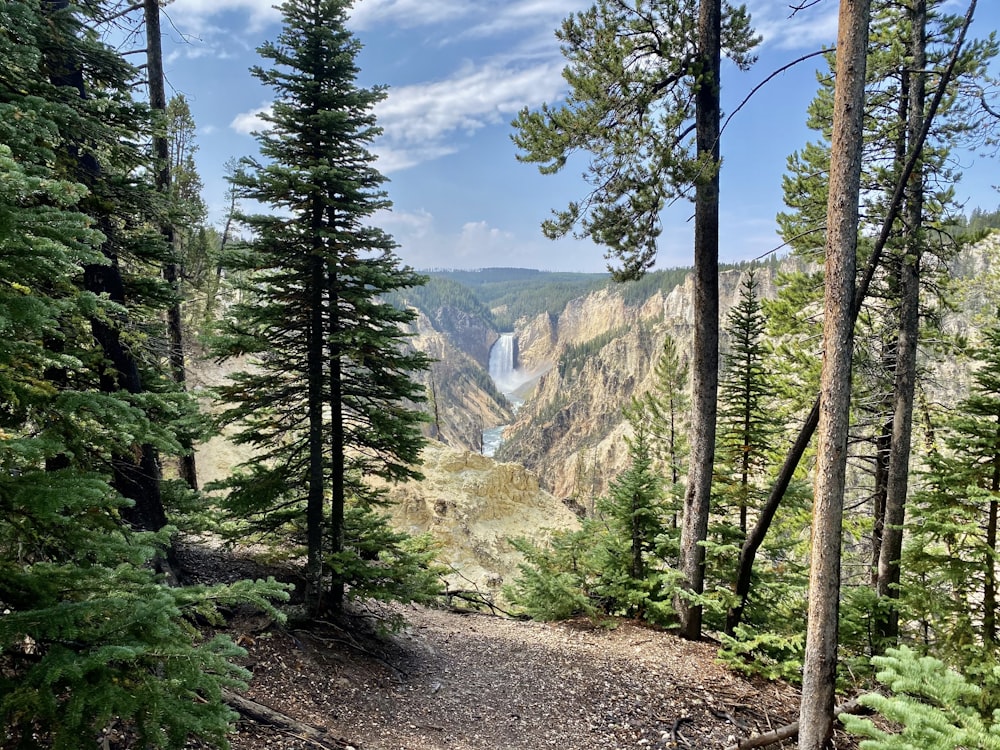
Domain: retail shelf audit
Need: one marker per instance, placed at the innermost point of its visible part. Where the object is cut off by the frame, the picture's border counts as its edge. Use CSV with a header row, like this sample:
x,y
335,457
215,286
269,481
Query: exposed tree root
x,y
262,714
789,731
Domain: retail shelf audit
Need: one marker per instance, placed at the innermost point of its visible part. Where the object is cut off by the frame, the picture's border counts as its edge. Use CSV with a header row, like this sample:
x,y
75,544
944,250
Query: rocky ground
x,y
478,682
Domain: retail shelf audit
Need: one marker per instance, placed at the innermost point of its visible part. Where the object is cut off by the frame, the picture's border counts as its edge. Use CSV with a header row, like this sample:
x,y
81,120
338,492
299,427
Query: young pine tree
x,y
951,571
617,562
329,398
747,425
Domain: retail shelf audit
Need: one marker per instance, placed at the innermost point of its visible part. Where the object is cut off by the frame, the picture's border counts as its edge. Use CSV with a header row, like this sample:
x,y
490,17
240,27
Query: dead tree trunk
x,y
820,668
171,269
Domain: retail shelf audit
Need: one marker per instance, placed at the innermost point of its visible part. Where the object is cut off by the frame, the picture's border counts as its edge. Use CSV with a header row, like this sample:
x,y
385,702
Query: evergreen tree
x,y
936,708
90,636
951,570
328,401
666,407
618,563
747,425
643,77
887,156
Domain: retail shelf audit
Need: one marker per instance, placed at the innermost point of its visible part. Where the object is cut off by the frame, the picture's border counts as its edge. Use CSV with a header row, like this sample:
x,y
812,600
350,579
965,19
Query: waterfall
x,y
503,370
503,363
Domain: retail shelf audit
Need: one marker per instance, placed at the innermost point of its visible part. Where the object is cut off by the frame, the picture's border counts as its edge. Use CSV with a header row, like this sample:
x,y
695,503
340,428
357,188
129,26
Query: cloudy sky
x,y
458,71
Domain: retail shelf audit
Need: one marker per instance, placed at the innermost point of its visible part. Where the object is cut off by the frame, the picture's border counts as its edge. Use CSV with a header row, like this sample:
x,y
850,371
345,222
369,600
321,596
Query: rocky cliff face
x,y
468,333
571,429
472,505
462,398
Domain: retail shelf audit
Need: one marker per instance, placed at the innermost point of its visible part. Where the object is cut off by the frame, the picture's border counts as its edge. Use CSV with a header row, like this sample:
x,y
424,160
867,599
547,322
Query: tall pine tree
x,y
329,398
90,637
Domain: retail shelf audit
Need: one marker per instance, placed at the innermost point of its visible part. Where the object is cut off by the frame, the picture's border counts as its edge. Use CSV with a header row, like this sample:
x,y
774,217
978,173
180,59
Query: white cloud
x,y
412,13
391,159
191,13
806,29
250,122
543,15
427,120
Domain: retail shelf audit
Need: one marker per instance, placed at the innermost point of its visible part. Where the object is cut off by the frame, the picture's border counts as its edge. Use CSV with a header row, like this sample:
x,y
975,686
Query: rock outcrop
x,y
472,506
571,429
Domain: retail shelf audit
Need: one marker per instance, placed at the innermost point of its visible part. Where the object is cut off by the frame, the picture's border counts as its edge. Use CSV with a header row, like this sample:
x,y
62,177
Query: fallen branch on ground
x,y
789,731
264,715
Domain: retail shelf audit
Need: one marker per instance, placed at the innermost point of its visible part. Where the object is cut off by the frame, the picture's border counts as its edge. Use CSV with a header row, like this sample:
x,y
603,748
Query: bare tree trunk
x,y
990,584
171,270
755,538
338,439
315,358
909,322
819,672
883,447
705,369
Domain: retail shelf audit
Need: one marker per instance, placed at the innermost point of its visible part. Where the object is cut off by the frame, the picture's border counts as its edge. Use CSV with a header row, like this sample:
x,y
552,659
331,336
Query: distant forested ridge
x,y
505,295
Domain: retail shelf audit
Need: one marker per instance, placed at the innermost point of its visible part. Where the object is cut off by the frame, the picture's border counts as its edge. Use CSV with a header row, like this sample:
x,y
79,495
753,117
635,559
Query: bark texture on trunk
x,y
904,389
819,672
705,355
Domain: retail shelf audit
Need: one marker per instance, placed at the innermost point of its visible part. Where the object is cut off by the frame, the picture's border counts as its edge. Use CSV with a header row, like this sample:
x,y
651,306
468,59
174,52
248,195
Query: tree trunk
x,y
705,369
990,584
137,476
171,271
637,566
748,553
820,668
317,446
883,447
887,585
338,470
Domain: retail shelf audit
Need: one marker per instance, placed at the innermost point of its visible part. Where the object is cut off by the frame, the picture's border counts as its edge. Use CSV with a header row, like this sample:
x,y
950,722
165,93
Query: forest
x,y
863,562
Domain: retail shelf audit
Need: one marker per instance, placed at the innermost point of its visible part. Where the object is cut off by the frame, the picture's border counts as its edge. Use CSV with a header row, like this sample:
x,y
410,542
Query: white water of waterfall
x,y
502,363
508,379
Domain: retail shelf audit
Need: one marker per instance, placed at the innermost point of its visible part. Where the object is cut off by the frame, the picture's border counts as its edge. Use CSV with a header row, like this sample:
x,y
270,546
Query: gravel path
x,y
471,682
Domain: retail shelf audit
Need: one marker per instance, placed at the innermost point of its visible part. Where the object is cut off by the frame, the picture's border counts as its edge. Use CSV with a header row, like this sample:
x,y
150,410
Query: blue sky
x,y
458,71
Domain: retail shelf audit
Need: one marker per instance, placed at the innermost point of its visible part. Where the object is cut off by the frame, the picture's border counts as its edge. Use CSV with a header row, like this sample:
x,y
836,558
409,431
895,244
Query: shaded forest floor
x,y
478,682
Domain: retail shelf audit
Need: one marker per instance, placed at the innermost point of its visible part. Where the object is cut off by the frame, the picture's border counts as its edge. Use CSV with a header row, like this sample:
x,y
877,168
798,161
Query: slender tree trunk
x,y
171,270
705,371
755,538
637,567
990,584
887,585
338,471
820,669
883,445
317,446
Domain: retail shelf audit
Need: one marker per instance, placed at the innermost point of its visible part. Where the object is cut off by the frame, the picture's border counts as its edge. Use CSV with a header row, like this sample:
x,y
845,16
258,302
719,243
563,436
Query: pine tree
x,y
643,77
666,407
617,563
952,587
747,423
328,401
937,708
89,634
